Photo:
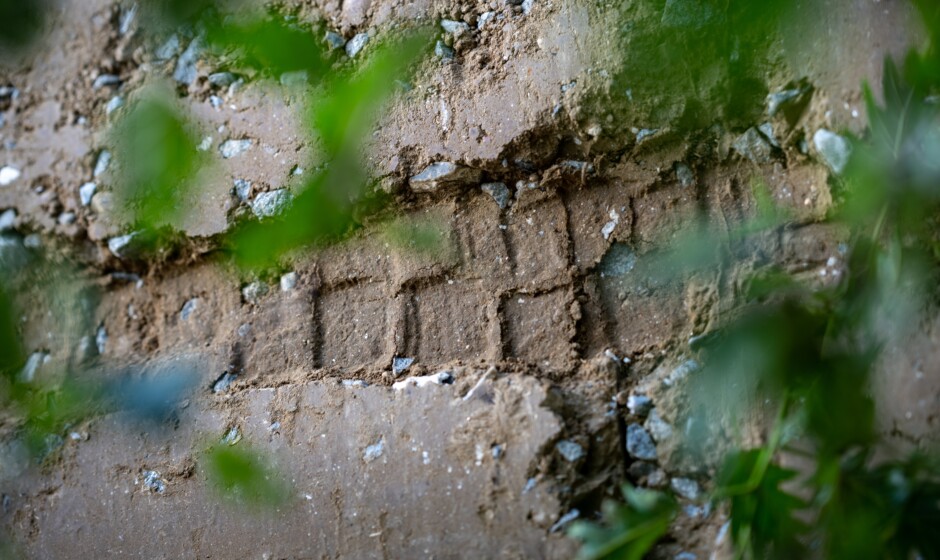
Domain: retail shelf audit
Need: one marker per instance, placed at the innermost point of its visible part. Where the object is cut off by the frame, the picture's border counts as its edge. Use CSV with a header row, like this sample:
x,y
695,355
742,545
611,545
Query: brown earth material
x,y
540,296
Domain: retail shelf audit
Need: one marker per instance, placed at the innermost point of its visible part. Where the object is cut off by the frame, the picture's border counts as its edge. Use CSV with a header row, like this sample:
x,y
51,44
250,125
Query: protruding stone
x,y
570,450
356,44
835,150
686,488
753,146
500,193
86,192
270,204
254,292
232,148
443,173
8,174
639,443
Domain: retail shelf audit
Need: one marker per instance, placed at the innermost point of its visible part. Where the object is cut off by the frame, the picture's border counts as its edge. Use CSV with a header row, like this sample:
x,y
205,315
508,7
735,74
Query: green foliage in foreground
x,y
244,477
629,529
811,352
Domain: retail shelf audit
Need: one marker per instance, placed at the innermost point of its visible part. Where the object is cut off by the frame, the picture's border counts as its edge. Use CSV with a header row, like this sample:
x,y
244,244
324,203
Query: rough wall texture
x,y
534,292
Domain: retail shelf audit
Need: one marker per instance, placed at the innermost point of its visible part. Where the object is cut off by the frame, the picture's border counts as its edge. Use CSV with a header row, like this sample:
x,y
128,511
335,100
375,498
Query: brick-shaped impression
x,y
597,216
538,244
483,242
354,326
450,321
539,329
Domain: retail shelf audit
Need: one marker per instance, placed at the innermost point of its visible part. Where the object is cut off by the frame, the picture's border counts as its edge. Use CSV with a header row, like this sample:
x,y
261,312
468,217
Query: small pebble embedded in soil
x,y
686,488
356,44
570,450
374,451
86,192
8,174
233,148
639,443
400,365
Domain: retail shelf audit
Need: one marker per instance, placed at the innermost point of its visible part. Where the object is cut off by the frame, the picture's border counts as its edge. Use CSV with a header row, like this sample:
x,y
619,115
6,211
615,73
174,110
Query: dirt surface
x,y
534,291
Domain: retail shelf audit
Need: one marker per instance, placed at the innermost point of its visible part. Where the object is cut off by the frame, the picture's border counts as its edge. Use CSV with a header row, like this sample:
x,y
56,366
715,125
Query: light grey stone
x,y
356,44
639,443
570,450
233,148
835,150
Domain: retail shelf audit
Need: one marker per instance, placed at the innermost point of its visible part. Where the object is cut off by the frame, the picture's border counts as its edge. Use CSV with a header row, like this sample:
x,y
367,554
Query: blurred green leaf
x,y
341,118
242,476
272,46
629,530
21,21
12,357
763,521
158,160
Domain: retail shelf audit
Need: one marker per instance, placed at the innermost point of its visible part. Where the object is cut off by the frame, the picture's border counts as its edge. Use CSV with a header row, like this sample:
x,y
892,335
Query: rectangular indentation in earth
x,y
539,328
448,321
354,326
538,243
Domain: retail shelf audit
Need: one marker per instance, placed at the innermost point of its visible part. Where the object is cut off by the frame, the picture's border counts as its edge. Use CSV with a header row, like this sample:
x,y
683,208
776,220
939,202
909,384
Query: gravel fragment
x,y
232,436
102,163
8,174
189,308
400,365
618,261
685,175
106,80
242,189
223,383
153,482
232,148
681,372
252,293
66,218
639,405
645,133
101,339
657,427
222,79
455,28
657,479
168,49
374,451
767,129
114,104
120,246
443,173
288,281
570,450
7,220
778,99
834,149
439,378
334,40
443,51
564,520
686,488
639,443
270,204
754,146
500,193
610,226
33,363
356,44
485,17
185,72
578,166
